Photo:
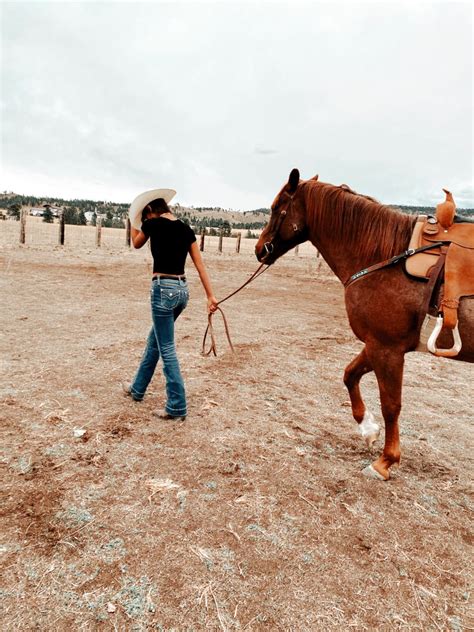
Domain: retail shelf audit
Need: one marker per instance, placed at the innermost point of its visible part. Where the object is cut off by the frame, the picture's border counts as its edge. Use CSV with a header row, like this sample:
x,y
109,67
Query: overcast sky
x,y
220,100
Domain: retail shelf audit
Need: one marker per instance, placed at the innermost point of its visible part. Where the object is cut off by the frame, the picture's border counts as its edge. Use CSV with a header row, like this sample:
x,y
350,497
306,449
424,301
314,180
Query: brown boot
x,y
168,417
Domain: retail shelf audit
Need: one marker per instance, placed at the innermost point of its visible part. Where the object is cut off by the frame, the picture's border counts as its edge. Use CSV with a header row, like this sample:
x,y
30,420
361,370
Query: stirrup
x,y
444,353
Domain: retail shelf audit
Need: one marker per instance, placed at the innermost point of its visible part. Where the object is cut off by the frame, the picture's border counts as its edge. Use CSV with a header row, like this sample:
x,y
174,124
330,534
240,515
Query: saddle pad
x,y
420,265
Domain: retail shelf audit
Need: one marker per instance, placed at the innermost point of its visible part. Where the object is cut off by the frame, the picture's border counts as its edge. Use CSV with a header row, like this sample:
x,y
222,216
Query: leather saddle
x,y
448,267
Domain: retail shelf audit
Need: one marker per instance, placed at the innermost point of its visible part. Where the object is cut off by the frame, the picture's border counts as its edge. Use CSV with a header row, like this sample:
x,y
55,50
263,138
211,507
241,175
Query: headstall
x,y
269,245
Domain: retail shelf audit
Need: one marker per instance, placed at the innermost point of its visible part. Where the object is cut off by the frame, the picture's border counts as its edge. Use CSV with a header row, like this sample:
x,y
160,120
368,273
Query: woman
x,y
171,240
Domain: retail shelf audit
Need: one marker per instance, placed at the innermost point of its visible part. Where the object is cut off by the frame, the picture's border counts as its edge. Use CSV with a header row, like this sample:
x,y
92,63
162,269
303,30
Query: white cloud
x,y
220,101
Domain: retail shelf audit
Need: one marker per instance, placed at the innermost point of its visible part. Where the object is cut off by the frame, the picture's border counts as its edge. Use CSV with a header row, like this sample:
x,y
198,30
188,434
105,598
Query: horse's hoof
x,y
371,472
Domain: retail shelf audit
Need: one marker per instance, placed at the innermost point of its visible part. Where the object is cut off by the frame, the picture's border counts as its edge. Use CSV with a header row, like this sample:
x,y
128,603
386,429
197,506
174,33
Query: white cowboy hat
x,y
139,203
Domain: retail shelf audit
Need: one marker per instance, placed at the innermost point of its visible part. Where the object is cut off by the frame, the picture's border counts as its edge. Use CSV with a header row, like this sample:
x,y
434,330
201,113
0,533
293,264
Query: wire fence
x,y
33,231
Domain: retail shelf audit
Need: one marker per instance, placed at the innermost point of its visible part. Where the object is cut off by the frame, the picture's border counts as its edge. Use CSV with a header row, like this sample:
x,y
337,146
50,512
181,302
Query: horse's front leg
x,y
388,368
368,428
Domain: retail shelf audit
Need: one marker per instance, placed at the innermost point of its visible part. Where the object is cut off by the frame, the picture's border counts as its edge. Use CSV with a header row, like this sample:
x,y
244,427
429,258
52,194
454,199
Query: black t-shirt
x,y
170,242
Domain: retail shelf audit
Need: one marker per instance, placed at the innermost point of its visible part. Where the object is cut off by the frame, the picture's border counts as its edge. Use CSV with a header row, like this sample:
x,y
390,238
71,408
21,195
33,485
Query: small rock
x,y
24,465
455,624
79,432
111,607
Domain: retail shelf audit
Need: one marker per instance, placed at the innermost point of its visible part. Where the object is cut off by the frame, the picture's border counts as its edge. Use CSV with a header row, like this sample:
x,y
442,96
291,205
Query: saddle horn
x,y
446,211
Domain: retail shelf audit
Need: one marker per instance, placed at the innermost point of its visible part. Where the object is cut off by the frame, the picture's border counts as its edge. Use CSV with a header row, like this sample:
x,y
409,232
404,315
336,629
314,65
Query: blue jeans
x,y
168,299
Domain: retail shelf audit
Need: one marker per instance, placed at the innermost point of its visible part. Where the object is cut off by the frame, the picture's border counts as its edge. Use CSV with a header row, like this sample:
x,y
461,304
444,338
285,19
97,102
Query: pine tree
x,y
14,211
48,216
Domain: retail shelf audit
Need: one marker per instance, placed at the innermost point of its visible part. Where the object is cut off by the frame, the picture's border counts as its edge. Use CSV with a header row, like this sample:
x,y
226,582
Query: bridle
x,y
268,246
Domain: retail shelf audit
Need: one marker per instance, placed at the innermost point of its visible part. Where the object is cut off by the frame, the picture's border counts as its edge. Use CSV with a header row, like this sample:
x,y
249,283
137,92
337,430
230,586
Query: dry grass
x,y
252,515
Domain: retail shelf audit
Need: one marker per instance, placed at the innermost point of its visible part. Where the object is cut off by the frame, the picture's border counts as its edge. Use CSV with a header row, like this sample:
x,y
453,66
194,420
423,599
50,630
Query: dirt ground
x,y
251,515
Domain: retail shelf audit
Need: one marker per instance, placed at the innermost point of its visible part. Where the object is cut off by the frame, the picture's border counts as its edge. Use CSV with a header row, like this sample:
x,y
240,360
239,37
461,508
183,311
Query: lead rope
x,y
209,329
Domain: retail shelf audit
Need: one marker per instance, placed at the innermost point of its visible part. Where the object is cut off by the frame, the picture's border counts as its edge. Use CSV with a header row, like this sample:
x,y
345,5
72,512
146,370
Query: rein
x,y
209,329
268,247
390,262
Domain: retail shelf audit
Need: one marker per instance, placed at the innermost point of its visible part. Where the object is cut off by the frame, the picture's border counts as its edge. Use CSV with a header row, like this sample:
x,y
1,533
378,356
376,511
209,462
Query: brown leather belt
x,y
173,278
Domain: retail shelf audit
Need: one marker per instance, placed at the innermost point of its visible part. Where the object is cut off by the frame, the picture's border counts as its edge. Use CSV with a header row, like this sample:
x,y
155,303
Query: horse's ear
x,y
293,180
316,177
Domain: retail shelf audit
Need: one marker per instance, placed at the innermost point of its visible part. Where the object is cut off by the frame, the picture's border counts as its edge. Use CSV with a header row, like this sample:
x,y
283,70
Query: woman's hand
x,y
212,304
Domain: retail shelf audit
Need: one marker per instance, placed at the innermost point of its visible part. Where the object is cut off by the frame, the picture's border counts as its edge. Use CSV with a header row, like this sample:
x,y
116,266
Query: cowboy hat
x,y
139,203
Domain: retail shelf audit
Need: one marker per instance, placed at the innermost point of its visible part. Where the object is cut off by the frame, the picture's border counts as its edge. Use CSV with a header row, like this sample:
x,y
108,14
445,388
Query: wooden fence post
x,y
237,244
98,233
221,237
128,232
23,214
203,235
61,228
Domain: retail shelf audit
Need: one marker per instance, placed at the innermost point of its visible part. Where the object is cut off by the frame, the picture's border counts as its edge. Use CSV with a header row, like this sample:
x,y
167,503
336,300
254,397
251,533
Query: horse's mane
x,y
376,230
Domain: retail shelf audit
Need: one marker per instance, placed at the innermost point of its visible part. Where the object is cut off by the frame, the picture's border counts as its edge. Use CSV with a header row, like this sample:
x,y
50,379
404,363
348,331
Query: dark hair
x,y
158,206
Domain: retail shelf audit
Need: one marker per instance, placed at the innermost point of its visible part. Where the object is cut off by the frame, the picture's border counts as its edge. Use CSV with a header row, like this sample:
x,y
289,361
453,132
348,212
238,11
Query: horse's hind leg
x,y
388,368
368,428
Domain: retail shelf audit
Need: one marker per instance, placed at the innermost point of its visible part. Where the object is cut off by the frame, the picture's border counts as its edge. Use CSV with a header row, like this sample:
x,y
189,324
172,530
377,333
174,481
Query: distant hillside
x,y
198,217
206,217
430,210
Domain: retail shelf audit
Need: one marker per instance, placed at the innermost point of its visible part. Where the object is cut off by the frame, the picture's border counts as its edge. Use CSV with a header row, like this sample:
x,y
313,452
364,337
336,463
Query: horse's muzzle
x,y
265,253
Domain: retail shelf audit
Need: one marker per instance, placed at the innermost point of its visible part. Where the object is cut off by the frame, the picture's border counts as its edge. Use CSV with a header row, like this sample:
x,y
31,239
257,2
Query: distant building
x,y
55,210
38,211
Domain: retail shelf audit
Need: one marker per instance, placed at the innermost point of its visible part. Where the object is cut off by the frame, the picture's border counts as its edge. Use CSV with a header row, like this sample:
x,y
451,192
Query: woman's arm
x,y
138,238
203,275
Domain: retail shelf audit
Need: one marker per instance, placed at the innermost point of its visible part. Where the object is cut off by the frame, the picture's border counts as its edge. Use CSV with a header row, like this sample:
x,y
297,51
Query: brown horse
x,y
352,232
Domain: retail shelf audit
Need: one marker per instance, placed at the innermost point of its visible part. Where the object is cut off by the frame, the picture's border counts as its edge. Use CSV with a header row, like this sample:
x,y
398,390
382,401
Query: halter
x,y
269,245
